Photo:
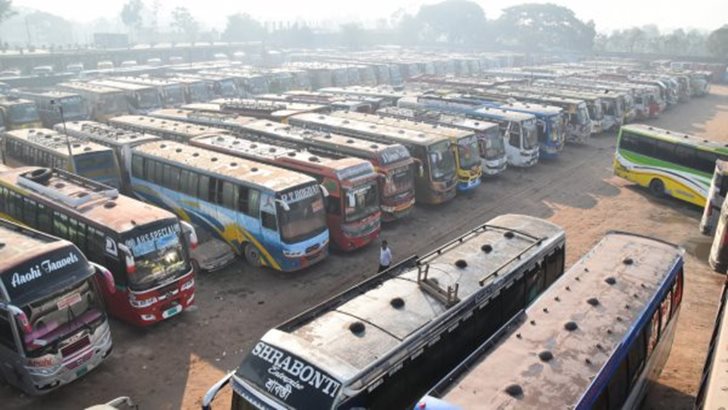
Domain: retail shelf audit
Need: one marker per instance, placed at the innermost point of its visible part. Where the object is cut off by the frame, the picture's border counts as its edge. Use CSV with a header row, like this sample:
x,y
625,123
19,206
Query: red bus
x,y
143,246
352,207
391,161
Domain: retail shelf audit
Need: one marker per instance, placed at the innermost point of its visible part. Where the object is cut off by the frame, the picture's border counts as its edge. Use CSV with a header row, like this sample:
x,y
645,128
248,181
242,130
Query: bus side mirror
x,y
420,168
106,276
324,191
190,233
208,398
20,315
283,205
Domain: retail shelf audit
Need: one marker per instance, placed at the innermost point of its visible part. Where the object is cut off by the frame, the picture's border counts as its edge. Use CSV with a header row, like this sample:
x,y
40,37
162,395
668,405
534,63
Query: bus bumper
x,y
466,186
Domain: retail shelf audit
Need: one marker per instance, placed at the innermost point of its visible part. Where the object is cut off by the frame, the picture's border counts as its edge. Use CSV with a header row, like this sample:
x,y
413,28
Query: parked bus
x,y
47,148
143,246
391,161
54,326
714,201
140,98
436,177
493,159
612,107
463,143
667,162
519,129
598,338
273,217
712,394
230,122
171,92
221,85
578,125
386,341
617,101
166,129
50,103
352,207
195,90
102,102
18,114
121,141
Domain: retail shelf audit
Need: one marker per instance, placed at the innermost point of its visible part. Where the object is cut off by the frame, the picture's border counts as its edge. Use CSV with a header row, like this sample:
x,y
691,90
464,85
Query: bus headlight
x,y
293,254
187,285
142,303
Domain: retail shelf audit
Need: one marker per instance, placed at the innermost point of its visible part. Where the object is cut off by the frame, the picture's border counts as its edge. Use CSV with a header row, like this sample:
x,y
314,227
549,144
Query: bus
x,y
167,129
120,140
386,341
274,217
47,148
712,394
667,162
578,125
352,207
221,85
596,339
18,114
616,99
493,159
140,98
53,326
102,102
436,177
171,92
612,106
230,122
714,201
463,143
144,247
392,162
518,129
48,103
195,90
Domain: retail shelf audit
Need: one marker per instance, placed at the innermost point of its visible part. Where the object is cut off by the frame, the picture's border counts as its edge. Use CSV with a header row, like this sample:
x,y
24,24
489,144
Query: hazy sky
x,y
608,14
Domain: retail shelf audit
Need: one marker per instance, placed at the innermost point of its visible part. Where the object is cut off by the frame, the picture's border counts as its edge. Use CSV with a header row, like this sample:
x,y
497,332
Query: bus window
x,y
229,193
618,387
514,298
636,358
269,221
534,283
677,291
665,310
653,332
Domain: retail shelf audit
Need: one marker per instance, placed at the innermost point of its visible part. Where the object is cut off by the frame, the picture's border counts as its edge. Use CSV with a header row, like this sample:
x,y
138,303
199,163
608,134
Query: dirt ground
x,y
171,365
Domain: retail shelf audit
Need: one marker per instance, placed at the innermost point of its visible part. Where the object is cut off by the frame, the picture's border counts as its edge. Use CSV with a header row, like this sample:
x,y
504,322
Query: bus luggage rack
x,y
256,107
448,297
90,190
50,139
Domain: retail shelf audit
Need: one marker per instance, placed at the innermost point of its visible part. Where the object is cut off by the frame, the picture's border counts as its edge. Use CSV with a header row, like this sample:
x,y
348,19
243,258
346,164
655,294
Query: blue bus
x,y
518,129
596,339
550,121
273,217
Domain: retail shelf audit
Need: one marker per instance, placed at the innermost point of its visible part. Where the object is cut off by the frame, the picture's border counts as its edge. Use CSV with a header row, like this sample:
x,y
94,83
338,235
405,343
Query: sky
x,y
608,14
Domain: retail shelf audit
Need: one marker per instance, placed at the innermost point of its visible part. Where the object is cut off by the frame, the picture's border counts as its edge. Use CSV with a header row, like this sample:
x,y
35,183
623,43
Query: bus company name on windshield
x,y
300,194
45,267
296,369
152,236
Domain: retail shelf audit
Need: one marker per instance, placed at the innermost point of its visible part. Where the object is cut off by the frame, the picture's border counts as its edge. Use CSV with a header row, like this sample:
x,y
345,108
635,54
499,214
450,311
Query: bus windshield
x,y
22,113
494,146
199,92
99,166
175,94
597,112
64,312
112,104
148,98
158,254
227,88
557,126
582,114
400,179
361,201
72,106
305,217
442,161
468,152
530,134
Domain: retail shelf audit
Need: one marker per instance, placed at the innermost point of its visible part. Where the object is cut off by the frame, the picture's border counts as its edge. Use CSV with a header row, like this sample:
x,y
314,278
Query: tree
x,y
452,21
243,27
718,42
131,15
544,27
6,10
49,29
185,24
352,35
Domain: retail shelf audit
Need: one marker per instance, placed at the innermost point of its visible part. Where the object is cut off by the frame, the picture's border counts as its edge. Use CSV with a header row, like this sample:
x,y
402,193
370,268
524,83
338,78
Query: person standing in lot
x,y
385,257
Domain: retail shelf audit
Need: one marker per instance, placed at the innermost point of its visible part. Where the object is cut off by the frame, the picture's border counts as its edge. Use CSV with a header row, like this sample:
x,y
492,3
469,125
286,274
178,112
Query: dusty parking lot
x,y
170,366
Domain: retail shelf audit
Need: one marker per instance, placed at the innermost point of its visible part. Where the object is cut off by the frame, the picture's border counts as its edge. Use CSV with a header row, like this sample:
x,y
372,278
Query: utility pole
x,y
68,141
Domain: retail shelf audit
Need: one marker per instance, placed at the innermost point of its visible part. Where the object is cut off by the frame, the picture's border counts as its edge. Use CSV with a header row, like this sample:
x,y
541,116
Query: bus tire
x,y
657,187
252,255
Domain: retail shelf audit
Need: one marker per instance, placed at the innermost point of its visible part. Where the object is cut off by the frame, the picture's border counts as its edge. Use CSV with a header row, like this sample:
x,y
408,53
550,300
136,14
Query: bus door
x,y
268,230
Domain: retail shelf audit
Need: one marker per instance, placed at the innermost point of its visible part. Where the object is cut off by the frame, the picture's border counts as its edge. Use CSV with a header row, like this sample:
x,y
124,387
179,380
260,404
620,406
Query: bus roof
x,y
326,337
274,107
255,150
267,176
121,85
89,199
89,87
29,94
333,141
445,130
533,107
585,297
55,141
19,244
530,95
10,101
105,134
154,125
153,82
203,117
677,137
391,133
496,112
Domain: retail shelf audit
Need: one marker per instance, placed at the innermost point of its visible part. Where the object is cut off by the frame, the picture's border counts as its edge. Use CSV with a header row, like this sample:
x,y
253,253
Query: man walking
x,y
385,257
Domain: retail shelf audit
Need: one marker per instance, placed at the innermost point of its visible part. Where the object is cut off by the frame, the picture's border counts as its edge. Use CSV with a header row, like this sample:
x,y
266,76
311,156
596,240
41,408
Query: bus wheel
x,y
657,187
252,255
